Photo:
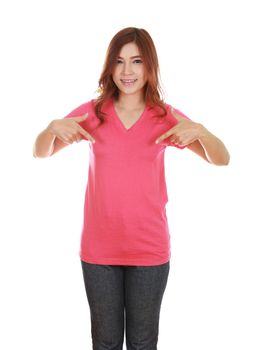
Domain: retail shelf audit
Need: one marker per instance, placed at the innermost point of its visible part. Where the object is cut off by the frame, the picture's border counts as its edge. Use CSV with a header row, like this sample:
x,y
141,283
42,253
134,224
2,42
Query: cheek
x,y
144,78
114,72
142,73
115,77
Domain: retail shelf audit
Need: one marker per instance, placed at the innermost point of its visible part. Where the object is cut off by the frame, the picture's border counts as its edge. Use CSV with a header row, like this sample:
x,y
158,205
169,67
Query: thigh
x,y
105,294
144,289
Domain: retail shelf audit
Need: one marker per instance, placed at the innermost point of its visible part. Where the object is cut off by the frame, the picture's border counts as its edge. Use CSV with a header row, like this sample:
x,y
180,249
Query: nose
x,y
126,68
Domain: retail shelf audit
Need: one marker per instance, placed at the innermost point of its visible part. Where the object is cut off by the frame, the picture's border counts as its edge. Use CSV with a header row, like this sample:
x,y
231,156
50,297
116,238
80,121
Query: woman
x,y
125,241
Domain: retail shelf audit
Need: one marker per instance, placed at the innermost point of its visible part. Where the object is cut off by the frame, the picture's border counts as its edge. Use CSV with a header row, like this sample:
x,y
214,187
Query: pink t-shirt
x,y
125,220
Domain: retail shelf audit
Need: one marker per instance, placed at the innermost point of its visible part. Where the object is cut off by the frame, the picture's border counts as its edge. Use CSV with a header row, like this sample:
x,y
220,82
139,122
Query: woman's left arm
x,y
198,139
211,146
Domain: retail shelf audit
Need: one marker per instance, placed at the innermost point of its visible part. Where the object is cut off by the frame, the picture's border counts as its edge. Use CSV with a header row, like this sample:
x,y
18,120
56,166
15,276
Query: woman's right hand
x,y
68,130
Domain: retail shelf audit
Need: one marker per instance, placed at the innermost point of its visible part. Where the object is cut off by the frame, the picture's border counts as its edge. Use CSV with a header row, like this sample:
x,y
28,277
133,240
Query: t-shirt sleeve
x,y
79,111
174,122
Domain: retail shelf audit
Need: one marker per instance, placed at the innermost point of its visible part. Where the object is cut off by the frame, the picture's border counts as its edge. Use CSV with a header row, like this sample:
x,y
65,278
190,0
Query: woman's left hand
x,y
183,133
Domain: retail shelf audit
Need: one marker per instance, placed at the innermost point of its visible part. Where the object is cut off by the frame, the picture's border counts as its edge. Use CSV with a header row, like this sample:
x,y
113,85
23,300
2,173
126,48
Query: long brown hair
x,y
152,90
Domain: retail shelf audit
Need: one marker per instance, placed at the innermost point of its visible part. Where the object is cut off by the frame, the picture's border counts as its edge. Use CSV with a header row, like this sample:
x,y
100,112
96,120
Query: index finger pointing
x,y
80,118
164,136
86,134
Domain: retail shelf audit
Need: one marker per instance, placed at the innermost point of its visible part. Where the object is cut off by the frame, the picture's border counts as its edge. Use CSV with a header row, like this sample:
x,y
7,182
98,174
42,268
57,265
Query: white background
x,y
52,53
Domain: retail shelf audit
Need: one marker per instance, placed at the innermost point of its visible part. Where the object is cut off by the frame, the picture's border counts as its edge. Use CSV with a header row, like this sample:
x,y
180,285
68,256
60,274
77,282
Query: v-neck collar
x,y
119,122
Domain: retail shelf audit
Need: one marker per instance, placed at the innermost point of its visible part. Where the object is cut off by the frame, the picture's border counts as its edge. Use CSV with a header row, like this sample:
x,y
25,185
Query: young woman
x,y
125,241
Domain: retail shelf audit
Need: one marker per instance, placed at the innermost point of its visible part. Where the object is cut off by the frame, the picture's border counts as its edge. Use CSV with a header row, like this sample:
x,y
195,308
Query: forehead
x,y
128,50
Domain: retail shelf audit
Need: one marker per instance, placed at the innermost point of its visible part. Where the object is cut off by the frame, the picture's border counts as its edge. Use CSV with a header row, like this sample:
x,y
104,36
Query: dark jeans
x,y
115,291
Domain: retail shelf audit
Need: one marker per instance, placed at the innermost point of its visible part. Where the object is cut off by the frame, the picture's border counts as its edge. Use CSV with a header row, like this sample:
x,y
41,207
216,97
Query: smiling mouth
x,y
128,82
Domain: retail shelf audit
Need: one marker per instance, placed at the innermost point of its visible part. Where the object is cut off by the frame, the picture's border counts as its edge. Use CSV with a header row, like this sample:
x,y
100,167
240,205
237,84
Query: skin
x,y
130,97
130,104
194,135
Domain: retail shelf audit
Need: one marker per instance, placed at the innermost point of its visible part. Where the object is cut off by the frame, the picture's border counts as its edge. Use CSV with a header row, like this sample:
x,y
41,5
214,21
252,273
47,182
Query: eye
x,y
135,61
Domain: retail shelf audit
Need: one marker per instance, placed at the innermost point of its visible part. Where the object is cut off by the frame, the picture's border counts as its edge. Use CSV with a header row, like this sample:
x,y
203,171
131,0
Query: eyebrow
x,y
131,57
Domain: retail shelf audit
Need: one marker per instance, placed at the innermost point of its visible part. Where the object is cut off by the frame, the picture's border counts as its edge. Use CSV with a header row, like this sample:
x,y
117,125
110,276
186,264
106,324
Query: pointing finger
x,y
80,118
167,134
86,134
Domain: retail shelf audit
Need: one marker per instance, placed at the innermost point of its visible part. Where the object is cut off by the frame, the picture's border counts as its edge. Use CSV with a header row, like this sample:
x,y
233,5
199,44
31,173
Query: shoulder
x,y
173,110
85,107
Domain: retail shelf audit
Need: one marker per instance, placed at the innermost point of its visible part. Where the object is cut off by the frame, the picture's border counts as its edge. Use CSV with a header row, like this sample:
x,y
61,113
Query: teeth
x,y
128,81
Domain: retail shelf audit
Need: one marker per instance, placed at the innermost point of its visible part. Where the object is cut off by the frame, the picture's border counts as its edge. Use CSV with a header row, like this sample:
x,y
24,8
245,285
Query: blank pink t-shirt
x,y
125,220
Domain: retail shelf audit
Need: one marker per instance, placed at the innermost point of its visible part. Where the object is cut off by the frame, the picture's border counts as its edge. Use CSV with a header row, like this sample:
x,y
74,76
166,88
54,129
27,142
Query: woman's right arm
x,y
44,143
59,134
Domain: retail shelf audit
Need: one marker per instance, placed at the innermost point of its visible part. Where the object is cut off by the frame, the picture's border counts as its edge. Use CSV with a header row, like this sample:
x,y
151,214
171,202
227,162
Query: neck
x,y
129,102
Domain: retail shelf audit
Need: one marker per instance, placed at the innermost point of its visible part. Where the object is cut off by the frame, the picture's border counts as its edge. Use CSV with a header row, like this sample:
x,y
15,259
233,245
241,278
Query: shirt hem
x,y
112,261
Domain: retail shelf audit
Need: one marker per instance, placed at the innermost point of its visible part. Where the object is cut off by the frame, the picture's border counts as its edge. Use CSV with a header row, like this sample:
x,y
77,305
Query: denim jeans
x,y
124,297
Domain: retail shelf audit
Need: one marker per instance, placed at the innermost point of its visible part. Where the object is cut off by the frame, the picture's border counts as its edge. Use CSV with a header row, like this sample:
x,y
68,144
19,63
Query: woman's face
x,y
129,73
